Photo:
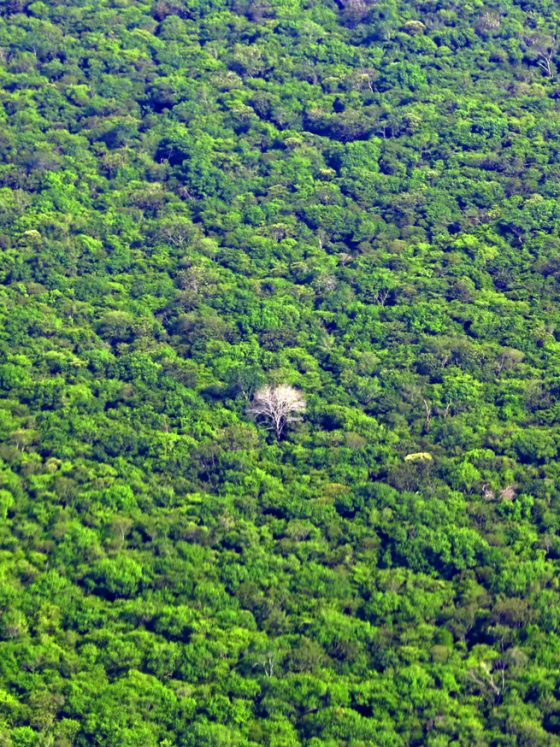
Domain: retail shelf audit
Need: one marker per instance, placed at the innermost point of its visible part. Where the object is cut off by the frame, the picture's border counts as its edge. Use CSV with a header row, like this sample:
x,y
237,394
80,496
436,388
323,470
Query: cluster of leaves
x,y
360,200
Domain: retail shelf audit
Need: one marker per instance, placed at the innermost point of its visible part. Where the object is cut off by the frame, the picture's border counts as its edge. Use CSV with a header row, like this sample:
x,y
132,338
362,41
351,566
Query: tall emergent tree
x,y
277,406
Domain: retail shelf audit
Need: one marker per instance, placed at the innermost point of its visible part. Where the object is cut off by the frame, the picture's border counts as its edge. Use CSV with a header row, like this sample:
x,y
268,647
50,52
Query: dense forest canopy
x,y
356,199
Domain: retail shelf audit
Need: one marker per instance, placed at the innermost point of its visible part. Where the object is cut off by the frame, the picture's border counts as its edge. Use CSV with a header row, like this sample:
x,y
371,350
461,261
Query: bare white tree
x,y
277,406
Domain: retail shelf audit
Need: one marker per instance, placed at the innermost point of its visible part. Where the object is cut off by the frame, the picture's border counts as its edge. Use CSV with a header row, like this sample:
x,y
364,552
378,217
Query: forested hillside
x,y
357,200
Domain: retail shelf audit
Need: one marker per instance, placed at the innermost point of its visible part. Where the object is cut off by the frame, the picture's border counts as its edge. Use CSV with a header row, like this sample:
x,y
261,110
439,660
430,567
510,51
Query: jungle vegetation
x,y
353,200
